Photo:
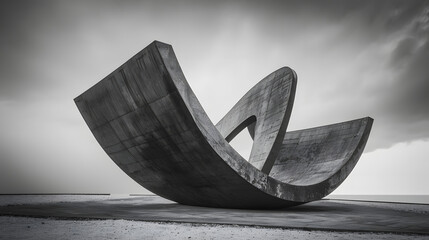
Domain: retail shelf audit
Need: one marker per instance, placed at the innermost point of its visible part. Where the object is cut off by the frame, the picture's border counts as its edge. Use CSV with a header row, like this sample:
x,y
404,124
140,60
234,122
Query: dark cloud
x,y
411,92
388,70
405,50
403,106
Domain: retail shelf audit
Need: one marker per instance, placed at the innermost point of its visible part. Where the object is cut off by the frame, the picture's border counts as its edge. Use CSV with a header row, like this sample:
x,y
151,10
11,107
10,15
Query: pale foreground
x,y
48,228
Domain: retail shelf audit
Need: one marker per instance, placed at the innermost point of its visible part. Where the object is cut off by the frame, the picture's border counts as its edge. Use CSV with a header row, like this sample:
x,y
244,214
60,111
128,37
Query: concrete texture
x,y
150,123
325,215
265,110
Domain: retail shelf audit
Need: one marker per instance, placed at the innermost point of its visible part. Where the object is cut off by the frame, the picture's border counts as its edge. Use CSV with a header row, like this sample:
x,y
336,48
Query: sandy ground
x,y
45,228
50,228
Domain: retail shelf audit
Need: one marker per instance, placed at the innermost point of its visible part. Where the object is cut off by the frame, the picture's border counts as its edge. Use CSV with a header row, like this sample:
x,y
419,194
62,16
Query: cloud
x,y
402,98
400,170
375,65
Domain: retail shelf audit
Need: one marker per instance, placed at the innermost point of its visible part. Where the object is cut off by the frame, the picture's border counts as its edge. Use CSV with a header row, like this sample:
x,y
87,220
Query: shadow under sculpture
x,y
150,123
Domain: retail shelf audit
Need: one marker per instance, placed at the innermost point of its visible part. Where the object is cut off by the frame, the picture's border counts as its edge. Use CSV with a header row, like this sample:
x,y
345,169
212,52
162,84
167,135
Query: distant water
x,y
11,199
420,199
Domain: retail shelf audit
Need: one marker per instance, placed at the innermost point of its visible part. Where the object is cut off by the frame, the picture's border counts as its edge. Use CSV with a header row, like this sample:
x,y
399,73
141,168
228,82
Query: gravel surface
x,y
49,228
45,228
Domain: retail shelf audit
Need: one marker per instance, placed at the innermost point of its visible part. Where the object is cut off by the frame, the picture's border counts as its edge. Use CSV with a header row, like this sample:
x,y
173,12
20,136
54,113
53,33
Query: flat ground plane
x,y
152,217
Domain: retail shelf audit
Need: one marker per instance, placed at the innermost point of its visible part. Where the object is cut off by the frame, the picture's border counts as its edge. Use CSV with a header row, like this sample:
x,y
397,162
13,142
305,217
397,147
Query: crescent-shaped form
x,y
148,120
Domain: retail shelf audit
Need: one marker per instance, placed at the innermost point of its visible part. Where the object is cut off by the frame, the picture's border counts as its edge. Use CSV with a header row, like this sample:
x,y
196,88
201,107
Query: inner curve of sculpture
x,y
148,120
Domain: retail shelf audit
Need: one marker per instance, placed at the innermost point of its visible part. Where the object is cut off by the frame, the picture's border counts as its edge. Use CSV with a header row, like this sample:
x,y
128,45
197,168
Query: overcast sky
x,y
353,59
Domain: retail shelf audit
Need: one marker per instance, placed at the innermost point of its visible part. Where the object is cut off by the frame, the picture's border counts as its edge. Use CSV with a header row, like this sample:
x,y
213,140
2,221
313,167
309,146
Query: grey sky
x,y
353,59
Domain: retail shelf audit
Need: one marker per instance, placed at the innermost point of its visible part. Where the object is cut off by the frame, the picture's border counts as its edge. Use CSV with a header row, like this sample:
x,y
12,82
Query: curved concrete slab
x,y
266,108
149,121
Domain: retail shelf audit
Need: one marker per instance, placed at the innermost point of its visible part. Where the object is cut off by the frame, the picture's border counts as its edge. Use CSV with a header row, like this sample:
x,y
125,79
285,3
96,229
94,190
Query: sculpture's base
x,y
324,215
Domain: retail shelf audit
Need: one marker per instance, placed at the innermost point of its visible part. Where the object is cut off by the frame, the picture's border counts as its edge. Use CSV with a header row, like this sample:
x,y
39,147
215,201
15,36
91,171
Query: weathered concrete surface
x,y
148,120
328,215
266,109
314,155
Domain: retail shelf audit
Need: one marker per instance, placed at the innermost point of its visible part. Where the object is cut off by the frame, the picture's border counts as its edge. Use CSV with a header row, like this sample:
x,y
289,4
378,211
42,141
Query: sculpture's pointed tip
x,y
369,119
159,43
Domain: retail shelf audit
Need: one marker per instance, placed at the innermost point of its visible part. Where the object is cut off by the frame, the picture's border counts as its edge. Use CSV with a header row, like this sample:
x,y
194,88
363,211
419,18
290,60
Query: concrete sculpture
x,y
148,120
